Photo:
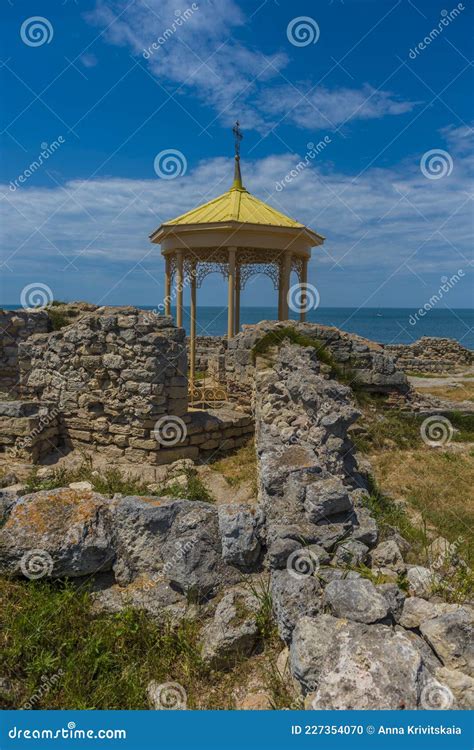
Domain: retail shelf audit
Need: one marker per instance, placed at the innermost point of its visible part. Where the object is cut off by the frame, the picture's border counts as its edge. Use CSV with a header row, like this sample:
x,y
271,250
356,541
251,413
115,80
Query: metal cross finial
x,y
238,135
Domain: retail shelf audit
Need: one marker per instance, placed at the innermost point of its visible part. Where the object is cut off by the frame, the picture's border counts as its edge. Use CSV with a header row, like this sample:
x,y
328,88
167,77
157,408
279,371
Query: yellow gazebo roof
x,y
237,204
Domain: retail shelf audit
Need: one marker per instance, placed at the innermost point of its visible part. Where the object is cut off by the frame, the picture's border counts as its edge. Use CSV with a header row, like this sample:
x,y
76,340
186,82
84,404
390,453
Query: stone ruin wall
x,y
431,354
113,383
209,351
375,370
308,534
17,326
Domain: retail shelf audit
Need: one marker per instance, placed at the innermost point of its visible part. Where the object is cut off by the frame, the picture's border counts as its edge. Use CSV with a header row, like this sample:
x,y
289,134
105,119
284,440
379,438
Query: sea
x,y
385,325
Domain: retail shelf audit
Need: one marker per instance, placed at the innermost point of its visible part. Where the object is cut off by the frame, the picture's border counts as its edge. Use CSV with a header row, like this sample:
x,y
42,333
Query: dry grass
x,y
463,392
437,484
239,467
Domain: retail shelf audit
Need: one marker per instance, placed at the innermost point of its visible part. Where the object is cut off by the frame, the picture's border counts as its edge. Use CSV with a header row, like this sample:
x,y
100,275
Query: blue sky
x,y
80,222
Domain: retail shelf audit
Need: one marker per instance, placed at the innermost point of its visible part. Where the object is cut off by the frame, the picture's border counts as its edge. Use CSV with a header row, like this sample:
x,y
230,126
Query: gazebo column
x,y
280,290
285,284
237,301
231,293
304,282
179,288
167,285
192,343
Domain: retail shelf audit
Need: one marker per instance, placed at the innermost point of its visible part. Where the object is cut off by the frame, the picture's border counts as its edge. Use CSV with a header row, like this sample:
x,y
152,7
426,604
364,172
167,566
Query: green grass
x,y
389,514
193,490
109,482
391,428
107,661
106,482
343,373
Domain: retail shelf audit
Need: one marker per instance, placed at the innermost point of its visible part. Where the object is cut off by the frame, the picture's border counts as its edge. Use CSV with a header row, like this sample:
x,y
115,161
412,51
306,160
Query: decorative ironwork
x,y
251,269
297,266
202,393
238,135
203,269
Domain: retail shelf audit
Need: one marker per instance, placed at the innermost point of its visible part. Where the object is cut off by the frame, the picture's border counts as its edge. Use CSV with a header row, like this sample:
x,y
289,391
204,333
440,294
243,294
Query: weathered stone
x,y
395,598
166,696
292,598
420,580
460,684
357,600
451,636
371,668
350,552
238,532
365,530
416,610
325,498
387,555
57,533
234,632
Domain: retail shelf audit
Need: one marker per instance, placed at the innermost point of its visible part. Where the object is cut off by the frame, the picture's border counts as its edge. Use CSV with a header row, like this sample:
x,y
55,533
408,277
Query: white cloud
x,y
323,108
204,56
384,220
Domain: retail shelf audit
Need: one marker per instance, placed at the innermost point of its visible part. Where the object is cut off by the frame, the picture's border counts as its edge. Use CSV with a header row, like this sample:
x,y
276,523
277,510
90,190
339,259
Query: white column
x,y
230,293
179,288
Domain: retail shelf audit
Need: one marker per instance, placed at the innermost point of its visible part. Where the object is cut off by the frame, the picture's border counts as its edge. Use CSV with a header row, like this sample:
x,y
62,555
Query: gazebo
x,y
236,235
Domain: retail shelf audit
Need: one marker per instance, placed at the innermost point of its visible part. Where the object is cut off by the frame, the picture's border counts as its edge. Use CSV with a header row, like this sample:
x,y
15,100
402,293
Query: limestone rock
x,y
357,600
461,685
451,636
293,597
387,555
417,610
234,632
375,668
166,696
80,486
420,580
58,533
395,598
325,498
238,532
178,539
350,552
365,530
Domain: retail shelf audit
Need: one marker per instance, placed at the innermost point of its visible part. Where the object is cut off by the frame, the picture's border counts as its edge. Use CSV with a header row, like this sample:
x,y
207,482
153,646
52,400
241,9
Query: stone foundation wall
x,y
373,367
17,326
113,384
208,348
28,431
113,374
431,354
